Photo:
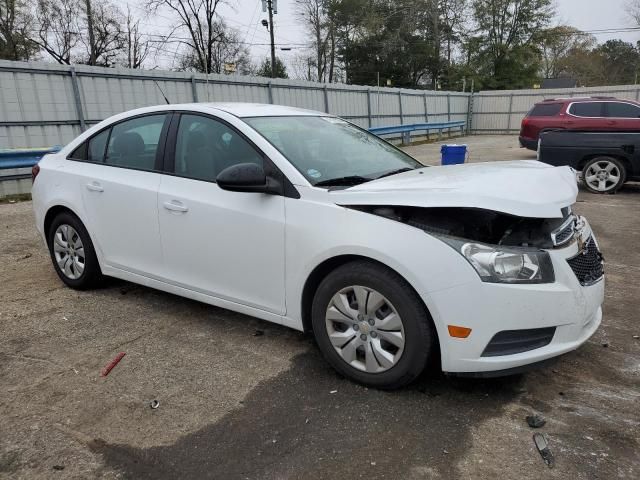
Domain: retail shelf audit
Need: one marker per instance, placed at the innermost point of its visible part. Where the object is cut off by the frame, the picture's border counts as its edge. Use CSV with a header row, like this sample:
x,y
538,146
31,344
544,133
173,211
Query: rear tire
x,y
604,175
371,326
72,253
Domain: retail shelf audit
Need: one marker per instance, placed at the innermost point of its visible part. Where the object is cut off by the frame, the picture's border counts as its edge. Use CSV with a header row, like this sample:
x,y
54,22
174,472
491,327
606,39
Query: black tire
x,y
419,333
91,275
609,186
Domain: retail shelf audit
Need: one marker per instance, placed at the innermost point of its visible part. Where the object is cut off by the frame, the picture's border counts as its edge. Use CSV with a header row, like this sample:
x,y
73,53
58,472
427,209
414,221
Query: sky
x,y
246,15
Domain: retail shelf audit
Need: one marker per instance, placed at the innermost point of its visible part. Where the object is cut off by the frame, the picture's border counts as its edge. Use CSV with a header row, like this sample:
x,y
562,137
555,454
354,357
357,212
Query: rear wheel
x,y
371,326
72,252
603,175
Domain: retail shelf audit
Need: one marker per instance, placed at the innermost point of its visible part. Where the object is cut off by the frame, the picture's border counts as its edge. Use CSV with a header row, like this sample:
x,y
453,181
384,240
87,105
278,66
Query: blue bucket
x,y
453,154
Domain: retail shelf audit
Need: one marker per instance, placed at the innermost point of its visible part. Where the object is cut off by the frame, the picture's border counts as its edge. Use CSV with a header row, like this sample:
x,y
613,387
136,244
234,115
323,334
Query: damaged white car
x,y
305,220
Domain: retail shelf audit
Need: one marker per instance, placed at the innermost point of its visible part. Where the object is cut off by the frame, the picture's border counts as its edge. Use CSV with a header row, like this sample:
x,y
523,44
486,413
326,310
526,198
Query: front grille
x,y
563,234
588,265
509,342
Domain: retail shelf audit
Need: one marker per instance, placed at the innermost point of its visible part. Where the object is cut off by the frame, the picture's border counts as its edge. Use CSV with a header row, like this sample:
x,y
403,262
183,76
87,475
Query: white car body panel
x,y
253,253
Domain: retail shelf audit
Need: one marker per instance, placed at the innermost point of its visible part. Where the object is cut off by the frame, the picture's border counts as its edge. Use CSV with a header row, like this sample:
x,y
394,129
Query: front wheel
x,y
603,175
371,326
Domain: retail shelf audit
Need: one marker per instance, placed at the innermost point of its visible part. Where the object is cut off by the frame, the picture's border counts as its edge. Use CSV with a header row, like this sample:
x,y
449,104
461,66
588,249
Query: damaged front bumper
x,y
559,316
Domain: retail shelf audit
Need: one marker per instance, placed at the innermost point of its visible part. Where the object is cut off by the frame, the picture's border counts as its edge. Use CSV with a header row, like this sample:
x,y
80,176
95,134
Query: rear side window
x,y
587,109
546,110
97,145
134,143
93,149
622,110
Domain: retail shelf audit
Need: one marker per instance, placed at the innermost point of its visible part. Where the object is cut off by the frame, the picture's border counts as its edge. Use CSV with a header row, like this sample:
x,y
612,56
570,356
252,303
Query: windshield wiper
x,y
394,172
350,180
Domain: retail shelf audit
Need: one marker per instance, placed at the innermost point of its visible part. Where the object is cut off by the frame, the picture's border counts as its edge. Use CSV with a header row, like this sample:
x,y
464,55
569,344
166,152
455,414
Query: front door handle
x,y
176,206
95,187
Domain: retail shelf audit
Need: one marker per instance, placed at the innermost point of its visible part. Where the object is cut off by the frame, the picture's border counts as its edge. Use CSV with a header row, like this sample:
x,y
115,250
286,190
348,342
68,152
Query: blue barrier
x,y
405,130
24,157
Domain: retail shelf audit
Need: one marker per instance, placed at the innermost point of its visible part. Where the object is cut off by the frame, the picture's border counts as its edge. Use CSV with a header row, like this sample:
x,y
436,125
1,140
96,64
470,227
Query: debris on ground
x,y
536,421
154,404
58,467
636,337
543,447
605,344
333,391
258,333
109,366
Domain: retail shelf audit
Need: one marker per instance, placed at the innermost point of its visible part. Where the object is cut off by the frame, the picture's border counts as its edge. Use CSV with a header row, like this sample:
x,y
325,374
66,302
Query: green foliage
x,y
265,69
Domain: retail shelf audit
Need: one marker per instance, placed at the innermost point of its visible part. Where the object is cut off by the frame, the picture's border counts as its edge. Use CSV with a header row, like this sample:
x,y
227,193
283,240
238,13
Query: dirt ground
x,y
244,399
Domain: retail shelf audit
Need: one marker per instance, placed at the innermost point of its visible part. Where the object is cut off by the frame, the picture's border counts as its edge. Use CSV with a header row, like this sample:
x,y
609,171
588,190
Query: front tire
x,y
371,326
72,253
604,175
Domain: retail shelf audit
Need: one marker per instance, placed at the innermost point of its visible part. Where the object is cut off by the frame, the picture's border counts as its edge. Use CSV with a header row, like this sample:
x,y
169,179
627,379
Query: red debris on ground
x,y
109,366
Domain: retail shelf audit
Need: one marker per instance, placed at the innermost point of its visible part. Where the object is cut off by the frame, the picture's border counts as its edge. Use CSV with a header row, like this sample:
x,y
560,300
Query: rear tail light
x,y
35,170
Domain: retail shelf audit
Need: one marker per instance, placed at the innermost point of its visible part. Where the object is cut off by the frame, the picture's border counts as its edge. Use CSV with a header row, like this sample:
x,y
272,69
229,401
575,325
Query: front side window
x,y
205,147
330,151
134,143
622,110
587,109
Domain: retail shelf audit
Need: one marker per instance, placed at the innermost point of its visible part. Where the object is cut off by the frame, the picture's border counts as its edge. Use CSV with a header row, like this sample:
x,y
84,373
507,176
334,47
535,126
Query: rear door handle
x,y
95,187
176,206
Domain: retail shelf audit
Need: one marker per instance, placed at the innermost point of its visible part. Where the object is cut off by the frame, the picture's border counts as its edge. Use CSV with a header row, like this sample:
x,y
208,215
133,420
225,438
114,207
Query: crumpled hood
x,y
525,188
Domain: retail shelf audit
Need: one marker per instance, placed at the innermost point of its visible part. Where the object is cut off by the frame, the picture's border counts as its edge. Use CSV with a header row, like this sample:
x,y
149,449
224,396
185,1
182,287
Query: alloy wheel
x,y
365,329
69,251
603,176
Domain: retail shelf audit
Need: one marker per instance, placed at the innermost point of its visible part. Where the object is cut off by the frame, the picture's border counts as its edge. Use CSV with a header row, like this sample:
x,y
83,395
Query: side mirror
x,y
247,177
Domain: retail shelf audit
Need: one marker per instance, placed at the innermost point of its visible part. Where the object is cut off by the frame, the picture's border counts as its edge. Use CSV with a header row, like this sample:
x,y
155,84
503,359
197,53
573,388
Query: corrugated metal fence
x,y
43,104
502,111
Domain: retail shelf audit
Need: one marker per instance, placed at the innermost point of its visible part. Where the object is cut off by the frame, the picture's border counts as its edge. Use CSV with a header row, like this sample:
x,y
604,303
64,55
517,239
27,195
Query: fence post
x,y
510,112
194,91
426,112
369,107
470,114
400,105
448,107
270,87
326,99
78,100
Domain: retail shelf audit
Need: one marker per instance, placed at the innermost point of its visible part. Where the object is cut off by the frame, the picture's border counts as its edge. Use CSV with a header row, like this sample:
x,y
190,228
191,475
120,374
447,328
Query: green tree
x,y
508,35
620,62
16,26
265,69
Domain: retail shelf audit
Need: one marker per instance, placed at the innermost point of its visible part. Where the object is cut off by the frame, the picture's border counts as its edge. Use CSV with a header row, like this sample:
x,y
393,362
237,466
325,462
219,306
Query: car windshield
x,y
329,151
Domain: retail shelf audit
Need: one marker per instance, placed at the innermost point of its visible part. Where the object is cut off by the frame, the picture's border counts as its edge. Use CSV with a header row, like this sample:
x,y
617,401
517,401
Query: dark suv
x,y
588,113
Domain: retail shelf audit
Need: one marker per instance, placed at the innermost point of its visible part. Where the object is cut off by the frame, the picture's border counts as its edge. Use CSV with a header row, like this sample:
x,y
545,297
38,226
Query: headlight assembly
x,y
498,264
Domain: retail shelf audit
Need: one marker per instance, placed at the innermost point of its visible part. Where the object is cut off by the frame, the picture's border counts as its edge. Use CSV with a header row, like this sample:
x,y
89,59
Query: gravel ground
x,y
241,398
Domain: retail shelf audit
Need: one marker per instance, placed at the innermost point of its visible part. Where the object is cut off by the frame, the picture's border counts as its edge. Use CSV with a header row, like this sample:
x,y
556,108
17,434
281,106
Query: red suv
x,y
590,113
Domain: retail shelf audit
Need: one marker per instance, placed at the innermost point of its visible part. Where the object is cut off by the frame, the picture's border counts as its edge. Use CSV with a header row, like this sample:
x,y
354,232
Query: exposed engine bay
x,y
485,226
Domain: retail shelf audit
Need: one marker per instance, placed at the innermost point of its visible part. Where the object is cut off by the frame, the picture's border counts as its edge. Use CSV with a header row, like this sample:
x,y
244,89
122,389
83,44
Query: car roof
x,y
239,109
581,99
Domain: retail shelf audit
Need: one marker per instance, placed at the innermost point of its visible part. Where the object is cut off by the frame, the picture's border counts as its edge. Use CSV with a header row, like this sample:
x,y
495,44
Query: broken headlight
x,y
498,264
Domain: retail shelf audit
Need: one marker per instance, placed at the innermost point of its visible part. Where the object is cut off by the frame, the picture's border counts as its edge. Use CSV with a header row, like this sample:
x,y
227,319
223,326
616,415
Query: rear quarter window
x,y
545,110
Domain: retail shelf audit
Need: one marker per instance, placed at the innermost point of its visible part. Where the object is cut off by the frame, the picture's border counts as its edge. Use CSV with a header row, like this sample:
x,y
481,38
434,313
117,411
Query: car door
x,y
623,115
226,244
119,183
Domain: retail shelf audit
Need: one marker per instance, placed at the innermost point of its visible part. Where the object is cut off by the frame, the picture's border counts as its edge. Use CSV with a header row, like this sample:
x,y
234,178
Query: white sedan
x,y
303,219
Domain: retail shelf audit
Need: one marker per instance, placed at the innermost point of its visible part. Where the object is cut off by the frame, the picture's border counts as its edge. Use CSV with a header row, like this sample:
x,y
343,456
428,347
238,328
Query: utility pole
x,y
273,46
92,40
